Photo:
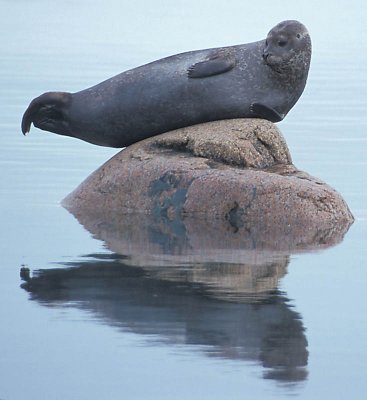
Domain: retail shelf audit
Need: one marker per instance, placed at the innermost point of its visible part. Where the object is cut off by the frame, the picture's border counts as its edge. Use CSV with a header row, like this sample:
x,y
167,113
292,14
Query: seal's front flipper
x,y
259,110
217,63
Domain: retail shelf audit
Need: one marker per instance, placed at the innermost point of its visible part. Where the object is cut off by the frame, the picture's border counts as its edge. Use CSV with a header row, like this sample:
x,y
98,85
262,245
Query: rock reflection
x,y
206,284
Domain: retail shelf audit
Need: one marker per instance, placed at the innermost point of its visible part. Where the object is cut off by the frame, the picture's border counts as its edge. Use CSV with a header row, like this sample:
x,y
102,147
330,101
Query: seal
x,y
262,79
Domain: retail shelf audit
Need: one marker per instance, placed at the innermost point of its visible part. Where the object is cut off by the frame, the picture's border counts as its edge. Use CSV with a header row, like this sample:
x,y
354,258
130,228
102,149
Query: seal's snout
x,y
266,55
45,111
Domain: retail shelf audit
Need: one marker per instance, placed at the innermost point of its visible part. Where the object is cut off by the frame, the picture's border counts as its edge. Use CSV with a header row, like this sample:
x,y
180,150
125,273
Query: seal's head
x,y
288,48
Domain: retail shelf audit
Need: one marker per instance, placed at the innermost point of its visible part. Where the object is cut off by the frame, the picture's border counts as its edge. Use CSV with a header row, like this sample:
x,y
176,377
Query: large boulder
x,y
239,171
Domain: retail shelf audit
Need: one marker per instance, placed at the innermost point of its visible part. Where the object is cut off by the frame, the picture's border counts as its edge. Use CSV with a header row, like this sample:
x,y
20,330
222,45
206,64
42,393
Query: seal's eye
x,y
298,36
282,43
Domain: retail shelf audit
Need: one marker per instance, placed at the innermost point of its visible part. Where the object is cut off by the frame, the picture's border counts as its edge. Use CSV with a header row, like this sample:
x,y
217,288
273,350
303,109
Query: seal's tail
x,y
46,111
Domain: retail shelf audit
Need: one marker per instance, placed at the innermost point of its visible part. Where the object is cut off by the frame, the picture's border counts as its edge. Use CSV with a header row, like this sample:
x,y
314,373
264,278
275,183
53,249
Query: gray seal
x,y
263,79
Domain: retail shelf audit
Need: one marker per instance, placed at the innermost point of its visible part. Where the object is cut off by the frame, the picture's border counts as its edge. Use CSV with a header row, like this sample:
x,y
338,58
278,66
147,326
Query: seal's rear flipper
x,y
262,111
218,63
47,112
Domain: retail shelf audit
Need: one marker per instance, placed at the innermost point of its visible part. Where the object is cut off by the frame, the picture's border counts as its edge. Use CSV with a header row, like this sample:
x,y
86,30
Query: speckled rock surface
x,y
239,171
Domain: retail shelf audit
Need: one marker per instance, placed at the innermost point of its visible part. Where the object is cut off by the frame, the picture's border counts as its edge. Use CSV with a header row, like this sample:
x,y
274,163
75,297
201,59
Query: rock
x,y
218,204
239,171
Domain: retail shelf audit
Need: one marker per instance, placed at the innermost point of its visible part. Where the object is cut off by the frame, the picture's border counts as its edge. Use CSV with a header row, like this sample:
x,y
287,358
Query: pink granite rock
x,y
239,171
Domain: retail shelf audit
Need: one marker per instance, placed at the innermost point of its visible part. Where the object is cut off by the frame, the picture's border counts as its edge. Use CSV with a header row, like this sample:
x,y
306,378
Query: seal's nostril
x,y
266,55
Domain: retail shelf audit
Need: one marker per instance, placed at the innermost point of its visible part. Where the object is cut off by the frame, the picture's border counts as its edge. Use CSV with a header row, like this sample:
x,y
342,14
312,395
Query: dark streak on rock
x,y
237,215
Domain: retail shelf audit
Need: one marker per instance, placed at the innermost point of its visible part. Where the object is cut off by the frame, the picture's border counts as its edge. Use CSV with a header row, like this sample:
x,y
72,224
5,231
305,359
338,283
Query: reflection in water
x,y
182,312
206,284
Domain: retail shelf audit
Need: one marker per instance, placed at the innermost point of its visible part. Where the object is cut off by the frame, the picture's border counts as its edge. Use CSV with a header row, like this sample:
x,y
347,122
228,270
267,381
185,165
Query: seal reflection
x,y
211,285
187,306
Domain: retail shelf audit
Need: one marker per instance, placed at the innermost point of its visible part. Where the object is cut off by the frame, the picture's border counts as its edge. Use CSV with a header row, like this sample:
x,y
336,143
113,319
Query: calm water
x,y
145,310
